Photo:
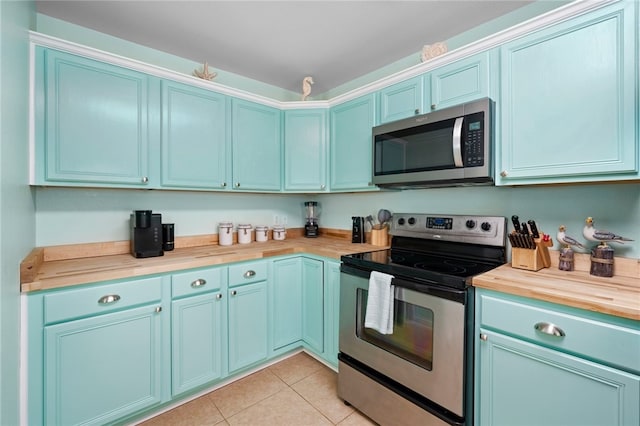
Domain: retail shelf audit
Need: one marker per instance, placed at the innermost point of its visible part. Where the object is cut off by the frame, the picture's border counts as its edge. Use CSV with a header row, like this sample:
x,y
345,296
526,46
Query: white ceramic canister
x,y
244,233
225,233
262,233
279,233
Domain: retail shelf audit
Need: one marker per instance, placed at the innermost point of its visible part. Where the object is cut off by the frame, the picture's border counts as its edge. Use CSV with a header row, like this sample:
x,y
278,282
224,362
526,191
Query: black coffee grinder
x,y
146,234
311,223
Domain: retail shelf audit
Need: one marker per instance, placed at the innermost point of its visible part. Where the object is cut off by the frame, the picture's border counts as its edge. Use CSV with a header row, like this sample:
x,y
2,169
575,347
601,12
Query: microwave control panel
x,y
474,140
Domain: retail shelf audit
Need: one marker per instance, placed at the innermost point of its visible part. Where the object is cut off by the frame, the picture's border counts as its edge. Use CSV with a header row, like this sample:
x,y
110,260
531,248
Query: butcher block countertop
x,y
62,266
618,295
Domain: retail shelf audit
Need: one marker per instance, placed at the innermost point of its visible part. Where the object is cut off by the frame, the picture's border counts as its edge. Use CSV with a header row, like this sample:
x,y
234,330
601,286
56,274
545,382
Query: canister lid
x,y
261,228
225,225
244,226
278,228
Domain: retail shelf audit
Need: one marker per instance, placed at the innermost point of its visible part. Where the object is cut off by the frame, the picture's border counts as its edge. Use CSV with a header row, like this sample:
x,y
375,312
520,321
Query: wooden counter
x,y
61,266
618,295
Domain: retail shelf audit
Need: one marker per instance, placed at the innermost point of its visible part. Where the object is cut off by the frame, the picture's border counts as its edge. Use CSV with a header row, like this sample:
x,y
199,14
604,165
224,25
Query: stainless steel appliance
x,y
146,234
421,373
448,147
311,219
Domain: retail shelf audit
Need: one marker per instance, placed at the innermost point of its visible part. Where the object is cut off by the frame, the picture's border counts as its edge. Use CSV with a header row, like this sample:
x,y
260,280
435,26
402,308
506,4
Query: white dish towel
x,y
379,315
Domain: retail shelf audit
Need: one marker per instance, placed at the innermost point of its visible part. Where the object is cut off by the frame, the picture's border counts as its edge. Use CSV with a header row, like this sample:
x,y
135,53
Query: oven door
x,y
425,353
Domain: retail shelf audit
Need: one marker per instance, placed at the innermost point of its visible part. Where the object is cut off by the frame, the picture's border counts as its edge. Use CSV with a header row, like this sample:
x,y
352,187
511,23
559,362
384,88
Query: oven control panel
x,y
488,230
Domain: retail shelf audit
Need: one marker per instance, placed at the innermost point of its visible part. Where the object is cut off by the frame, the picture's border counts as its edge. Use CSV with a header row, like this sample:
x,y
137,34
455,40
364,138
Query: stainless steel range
x,y
421,372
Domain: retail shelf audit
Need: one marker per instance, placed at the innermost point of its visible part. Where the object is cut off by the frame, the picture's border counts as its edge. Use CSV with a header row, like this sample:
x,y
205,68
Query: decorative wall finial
x,y
430,51
205,74
306,87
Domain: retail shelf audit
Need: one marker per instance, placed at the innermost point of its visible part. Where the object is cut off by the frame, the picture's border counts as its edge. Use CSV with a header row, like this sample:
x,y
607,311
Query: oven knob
x,y
471,223
401,221
485,226
412,221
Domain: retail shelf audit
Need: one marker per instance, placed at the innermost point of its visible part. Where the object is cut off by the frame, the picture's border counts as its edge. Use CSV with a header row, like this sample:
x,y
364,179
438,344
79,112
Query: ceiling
x,y
281,42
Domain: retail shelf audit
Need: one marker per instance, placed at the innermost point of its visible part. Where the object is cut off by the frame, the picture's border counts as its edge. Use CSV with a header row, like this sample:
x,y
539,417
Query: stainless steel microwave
x,y
449,147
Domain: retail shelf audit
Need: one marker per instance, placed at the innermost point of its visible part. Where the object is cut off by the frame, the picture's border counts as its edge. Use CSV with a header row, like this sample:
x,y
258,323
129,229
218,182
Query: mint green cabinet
x,y
313,303
92,122
103,351
194,137
331,310
540,363
351,145
286,302
198,328
305,150
569,101
452,84
403,100
248,327
256,145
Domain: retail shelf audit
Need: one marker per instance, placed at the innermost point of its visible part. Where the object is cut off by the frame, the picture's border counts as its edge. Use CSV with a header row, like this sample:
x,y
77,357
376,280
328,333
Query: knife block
x,y
532,259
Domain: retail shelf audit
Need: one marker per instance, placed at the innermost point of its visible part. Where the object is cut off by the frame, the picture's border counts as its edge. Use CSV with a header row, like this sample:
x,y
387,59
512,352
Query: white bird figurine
x,y
306,87
565,239
592,234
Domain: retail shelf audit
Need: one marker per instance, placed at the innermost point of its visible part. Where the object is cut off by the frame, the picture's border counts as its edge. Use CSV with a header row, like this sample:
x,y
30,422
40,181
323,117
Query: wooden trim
x,y
31,264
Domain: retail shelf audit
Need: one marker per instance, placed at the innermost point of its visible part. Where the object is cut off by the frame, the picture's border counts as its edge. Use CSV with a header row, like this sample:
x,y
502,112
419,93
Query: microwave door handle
x,y
457,142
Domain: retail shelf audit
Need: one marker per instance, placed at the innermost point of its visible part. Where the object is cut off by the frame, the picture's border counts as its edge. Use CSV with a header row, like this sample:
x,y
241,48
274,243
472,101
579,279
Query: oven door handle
x,y
457,142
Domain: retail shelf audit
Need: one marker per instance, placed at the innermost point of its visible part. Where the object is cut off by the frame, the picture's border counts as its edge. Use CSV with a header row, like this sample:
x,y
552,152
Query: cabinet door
x,y
194,137
287,302
351,144
525,384
96,122
401,100
331,310
102,368
305,150
247,325
313,302
197,325
461,81
569,101
256,146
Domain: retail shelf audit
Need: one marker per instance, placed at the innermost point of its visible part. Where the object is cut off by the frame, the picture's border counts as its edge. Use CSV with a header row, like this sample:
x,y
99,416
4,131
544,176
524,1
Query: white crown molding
x,y
555,16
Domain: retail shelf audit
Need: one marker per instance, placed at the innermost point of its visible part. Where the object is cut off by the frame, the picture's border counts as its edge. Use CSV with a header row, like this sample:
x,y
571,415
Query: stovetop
x,y
441,250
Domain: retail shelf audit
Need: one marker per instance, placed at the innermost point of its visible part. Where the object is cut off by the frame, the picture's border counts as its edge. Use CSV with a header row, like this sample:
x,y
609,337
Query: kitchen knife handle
x,y
525,229
516,222
534,229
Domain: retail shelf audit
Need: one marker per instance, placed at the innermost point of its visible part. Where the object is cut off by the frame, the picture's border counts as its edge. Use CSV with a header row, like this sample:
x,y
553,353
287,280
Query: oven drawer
x,y
611,340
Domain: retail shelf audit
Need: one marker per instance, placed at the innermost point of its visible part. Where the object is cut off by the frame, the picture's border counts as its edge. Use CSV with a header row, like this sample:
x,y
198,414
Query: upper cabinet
x,y
305,150
455,83
194,137
92,122
351,145
255,136
568,104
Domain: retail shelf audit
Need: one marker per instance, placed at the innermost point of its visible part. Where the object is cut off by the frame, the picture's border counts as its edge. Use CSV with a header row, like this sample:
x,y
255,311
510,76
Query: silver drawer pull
x,y
109,298
158,309
548,328
198,283
219,296
233,292
250,274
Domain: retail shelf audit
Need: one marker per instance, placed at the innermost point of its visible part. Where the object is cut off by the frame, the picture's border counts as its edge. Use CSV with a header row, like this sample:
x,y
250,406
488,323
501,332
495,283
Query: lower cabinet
x,y
331,311
247,325
286,302
542,364
104,366
313,304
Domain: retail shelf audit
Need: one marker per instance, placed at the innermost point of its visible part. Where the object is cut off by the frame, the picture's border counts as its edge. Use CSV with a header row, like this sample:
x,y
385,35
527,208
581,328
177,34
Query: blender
x,y
311,223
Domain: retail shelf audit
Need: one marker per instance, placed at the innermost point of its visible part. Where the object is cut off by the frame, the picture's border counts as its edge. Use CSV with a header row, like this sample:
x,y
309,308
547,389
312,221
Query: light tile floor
x,y
296,391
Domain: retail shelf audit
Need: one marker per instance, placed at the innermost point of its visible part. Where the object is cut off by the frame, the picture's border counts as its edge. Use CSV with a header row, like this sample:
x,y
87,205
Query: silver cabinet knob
x,y
417,111
198,283
433,106
233,292
237,184
322,187
483,337
219,296
145,179
158,309
504,173
224,184
109,298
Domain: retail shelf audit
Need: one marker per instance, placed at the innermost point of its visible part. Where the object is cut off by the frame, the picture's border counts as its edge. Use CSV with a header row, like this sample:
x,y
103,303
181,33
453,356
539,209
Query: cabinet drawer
x,y
70,304
589,336
196,282
245,273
